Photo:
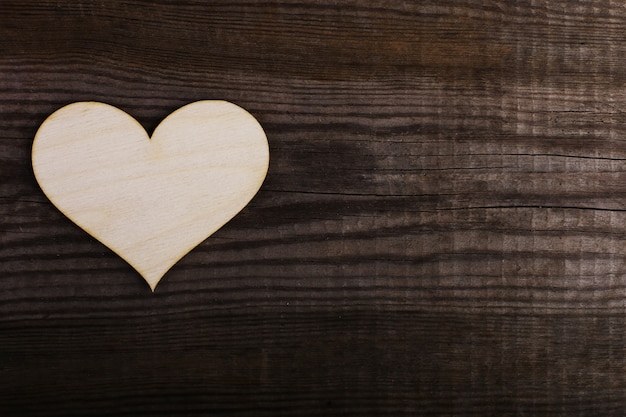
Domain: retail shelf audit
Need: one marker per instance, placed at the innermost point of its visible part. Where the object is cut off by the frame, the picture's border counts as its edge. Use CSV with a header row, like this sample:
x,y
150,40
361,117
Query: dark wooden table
x,y
441,231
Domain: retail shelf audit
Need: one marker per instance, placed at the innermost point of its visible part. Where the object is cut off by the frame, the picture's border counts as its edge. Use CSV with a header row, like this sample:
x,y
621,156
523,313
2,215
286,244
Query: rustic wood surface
x,y
441,231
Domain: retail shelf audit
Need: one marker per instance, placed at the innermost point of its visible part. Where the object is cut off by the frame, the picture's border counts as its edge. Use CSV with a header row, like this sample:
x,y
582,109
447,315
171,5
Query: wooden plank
x,y
441,230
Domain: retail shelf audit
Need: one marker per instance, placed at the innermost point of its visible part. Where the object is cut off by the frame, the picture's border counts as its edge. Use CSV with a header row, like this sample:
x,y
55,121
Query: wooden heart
x,y
150,200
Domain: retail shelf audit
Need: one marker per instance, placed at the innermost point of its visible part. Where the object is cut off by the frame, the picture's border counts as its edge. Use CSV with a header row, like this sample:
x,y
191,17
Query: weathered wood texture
x,y
441,231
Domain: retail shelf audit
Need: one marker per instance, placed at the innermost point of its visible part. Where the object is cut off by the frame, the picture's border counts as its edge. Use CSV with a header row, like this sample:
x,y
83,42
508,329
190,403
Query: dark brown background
x,y
441,231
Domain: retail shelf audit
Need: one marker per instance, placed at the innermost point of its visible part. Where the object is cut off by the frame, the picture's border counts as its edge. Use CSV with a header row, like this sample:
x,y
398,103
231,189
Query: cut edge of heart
x,y
153,278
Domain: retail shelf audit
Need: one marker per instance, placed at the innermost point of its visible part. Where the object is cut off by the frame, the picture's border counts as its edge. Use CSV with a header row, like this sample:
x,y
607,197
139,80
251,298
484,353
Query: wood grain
x,y
441,231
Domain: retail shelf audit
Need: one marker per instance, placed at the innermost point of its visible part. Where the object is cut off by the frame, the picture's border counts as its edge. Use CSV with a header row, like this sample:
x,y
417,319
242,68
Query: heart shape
x,y
150,200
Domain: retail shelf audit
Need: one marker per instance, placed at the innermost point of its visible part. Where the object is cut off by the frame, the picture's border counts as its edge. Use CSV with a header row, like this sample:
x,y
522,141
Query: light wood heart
x,y
150,200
